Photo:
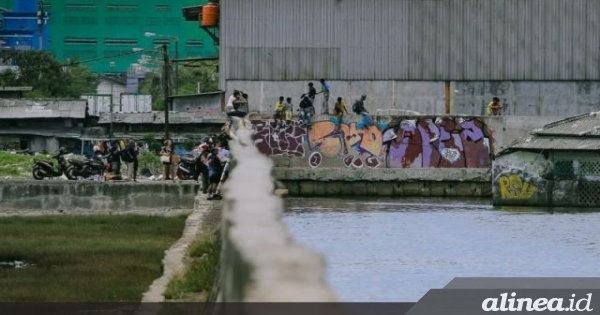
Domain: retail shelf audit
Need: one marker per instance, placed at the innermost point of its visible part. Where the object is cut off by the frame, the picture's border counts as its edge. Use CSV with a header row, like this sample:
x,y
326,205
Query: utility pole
x,y
166,88
176,65
110,133
41,21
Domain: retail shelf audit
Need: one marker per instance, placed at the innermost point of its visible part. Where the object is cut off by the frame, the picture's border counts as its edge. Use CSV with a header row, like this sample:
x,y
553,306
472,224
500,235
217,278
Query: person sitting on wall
x,y
307,110
494,108
279,109
238,106
229,107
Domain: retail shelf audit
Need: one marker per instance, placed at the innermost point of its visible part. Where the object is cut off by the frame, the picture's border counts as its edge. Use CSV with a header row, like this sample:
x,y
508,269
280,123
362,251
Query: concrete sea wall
x,y
52,196
260,262
429,155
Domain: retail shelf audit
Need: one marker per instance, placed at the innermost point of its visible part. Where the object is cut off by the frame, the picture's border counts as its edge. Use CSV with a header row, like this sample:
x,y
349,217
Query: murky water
x,y
396,250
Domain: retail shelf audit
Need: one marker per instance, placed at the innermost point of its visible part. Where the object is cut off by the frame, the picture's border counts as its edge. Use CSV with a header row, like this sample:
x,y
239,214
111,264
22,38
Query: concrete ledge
x,y
384,175
49,196
309,188
260,262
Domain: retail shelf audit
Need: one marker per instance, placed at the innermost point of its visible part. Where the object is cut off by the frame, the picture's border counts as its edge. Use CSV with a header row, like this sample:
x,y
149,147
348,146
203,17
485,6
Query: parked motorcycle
x,y
42,169
84,168
187,168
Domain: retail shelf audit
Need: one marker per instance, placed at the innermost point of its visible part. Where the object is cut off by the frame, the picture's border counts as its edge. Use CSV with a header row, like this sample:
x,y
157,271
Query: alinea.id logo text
x,y
513,304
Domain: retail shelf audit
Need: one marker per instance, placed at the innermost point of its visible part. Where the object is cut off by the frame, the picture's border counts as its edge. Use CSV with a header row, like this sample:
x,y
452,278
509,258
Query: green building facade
x,y
90,29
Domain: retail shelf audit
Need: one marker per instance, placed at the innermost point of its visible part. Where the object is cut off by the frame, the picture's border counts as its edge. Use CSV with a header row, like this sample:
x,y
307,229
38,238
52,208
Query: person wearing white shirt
x,y
229,107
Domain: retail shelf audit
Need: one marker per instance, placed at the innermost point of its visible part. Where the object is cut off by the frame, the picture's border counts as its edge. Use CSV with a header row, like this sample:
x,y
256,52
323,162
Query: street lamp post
x,y
176,40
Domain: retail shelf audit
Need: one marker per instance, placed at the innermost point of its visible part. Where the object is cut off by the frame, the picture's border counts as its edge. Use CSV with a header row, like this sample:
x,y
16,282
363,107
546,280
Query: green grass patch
x,y
200,272
84,258
17,165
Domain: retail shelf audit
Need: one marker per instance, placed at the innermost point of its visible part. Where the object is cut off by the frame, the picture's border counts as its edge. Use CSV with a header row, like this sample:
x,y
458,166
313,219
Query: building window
x,y
154,21
118,7
163,8
80,7
161,41
74,20
120,41
80,41
121,21
194,43
172,21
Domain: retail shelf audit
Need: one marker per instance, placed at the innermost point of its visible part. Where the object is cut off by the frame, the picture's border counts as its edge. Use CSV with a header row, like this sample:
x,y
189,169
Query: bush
x,y
16,165
149,163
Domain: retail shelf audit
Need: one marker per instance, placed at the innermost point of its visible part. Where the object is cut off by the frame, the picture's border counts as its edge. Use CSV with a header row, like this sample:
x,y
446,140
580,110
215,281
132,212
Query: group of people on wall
x,y
237,105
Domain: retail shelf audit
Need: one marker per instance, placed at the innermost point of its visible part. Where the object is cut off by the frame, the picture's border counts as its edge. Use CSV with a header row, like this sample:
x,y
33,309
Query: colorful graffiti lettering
x,y
514,186
446,142
349,142
271,138
404,143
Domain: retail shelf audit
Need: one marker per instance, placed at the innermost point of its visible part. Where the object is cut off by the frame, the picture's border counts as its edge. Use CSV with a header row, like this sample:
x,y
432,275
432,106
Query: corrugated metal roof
x,y
575,133
159,118
557,143
583,125
25,109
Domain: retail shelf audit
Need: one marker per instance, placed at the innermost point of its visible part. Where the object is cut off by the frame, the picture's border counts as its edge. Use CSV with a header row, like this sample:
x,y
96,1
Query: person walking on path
x,y
130,158
325,91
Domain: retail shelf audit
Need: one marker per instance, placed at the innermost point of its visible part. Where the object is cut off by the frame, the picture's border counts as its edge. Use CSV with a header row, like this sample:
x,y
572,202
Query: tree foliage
x,y
47,76
202,73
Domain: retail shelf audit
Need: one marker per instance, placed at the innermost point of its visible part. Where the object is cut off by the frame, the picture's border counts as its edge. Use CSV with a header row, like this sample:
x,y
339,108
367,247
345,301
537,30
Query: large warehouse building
x,y
540,57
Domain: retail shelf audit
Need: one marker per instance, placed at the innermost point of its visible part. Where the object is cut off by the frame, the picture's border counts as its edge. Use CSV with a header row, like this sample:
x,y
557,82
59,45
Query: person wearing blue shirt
x,y
325,91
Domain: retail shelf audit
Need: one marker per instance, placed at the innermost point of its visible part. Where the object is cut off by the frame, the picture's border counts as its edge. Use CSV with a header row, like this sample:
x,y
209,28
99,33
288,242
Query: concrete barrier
x,y
438,182
260,262
52,196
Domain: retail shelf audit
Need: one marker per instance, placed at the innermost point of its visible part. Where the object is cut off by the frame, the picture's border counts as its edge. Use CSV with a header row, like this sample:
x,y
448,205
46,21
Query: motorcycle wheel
x,y
37,173
71,174
182,175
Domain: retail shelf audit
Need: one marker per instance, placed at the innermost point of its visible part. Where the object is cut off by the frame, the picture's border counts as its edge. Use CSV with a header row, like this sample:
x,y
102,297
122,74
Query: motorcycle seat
x,y
189,159
77,162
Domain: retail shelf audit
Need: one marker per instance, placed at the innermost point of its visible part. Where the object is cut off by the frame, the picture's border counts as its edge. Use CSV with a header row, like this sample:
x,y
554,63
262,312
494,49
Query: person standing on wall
x,y
338,111
325,91
129,156
359,108
279,109
312,93
166,157
494,108
289,110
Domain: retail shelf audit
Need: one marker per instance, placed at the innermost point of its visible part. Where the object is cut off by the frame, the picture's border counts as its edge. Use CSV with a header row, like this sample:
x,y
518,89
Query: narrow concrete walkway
x,y
174,256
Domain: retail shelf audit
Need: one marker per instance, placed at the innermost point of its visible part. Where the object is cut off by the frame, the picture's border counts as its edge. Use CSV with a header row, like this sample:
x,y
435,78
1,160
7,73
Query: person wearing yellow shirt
x,y
338,111
494,108
280,109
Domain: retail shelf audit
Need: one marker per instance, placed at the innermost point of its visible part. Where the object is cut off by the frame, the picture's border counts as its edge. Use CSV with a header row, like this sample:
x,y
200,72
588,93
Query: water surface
x,y
396,250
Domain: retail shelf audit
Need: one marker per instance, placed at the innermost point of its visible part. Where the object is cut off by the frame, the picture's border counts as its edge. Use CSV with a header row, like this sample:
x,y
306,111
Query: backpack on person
x,y
357,107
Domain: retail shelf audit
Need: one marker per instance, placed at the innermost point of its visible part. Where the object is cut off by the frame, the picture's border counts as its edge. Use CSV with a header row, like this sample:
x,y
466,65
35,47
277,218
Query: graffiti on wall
x,y
443,142
271,138
404,143
516,186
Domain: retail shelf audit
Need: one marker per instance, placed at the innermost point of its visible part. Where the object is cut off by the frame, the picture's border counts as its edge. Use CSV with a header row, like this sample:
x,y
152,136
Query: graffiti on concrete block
x,y
356,147
444,142
516,186
271,138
